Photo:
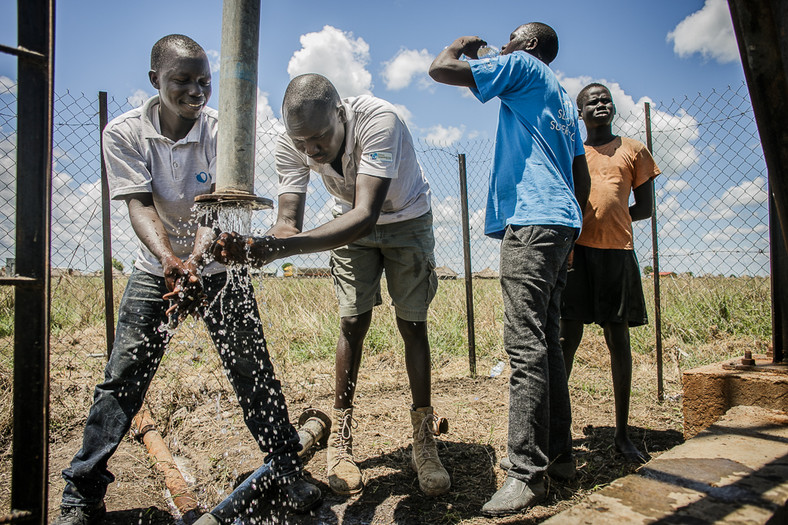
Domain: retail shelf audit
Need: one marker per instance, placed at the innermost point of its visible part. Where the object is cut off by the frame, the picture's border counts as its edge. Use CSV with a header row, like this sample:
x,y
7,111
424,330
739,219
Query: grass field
x,y
704,320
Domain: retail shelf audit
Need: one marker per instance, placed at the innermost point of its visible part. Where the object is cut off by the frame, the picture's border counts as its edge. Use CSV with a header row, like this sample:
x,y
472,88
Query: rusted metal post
x,y
466,252
35,66
761,27
109,296
655,274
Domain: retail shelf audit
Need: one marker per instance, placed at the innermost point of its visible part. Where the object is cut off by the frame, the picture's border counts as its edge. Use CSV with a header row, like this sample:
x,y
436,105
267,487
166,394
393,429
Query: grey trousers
x,y
533,274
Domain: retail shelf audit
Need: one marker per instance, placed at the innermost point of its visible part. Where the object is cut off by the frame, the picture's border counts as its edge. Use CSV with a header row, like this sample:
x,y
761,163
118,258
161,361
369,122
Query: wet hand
x,y
231,248
187,297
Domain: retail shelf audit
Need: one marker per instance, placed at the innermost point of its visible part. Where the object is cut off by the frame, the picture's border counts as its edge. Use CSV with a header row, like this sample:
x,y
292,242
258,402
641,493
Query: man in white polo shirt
x,y
158,158
382,221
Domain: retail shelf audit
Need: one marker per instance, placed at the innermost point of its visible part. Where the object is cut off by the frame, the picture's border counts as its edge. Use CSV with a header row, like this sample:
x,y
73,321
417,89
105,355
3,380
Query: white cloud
x,y
138,98
214,59
745,194
7,85
399,72
749,194
404,114
674,134
336,55
444,136
709,32
675,186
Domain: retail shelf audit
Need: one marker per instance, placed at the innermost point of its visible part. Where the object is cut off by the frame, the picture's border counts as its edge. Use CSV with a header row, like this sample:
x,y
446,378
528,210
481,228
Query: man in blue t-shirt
x,y
539,186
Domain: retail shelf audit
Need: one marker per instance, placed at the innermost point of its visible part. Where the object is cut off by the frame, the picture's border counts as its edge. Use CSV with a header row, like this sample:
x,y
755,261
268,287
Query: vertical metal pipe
x,y
238,96
109,298
655,275
29,471
466,252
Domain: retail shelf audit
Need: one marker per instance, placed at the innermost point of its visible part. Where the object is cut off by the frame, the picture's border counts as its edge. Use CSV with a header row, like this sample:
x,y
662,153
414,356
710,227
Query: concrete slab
x,y
709,391
735,471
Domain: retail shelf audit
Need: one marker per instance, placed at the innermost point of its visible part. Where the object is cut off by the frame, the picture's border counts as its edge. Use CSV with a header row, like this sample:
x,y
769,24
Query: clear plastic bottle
x,y
497,369
488,51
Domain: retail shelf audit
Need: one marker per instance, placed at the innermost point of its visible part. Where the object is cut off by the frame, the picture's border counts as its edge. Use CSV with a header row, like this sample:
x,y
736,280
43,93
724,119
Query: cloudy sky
x,y
645,51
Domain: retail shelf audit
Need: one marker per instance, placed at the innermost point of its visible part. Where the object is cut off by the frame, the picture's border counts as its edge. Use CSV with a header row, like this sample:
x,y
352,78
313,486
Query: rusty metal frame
x,y
760,27
35,66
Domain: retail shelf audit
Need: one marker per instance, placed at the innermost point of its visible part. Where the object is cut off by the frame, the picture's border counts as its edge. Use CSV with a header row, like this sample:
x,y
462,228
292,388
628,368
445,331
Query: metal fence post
x,y
466,251
109,297
655,274
35,66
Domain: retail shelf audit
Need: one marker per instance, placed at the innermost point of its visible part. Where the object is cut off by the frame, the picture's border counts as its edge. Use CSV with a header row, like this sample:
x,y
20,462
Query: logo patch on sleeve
x,y
381,156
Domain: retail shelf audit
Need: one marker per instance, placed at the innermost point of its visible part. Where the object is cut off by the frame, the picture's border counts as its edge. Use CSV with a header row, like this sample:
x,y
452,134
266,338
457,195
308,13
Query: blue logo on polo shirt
x,y
202,177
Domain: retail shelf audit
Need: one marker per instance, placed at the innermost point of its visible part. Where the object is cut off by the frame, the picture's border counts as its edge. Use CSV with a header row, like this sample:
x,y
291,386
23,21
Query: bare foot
x,y
627,449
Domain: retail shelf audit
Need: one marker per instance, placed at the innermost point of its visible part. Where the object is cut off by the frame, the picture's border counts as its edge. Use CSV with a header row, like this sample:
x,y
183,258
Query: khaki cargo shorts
x,y
405,250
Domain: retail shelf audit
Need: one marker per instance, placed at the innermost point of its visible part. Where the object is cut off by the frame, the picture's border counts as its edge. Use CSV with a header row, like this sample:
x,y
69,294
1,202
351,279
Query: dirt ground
x,y
202,424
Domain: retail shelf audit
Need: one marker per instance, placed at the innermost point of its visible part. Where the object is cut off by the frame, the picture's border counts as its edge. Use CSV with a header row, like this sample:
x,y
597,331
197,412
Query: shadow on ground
x,y
393,495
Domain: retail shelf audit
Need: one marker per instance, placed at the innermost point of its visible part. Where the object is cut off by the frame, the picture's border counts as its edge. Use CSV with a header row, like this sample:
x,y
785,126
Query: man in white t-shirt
x,y
364,153
159,158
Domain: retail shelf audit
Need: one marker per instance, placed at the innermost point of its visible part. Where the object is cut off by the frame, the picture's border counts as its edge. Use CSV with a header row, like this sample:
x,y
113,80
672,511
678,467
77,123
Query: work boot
x,y
344,476
433,478
89,515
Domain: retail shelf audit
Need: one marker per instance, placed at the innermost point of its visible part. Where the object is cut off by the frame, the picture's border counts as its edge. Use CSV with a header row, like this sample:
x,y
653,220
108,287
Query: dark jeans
x,y
533,274
234,324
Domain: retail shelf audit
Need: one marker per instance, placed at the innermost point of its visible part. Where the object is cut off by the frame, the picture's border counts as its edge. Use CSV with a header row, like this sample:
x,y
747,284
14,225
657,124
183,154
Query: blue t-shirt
x,y
536,141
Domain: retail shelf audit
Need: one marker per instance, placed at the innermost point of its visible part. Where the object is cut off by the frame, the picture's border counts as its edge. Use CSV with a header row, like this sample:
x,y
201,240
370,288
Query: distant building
x,y
444,272
66,272
312,272
667,274
487,273
269,271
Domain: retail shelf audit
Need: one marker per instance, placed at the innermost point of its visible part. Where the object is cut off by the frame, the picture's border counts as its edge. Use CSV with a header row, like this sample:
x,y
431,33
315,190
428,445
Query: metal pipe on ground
x,y
315,427
144,430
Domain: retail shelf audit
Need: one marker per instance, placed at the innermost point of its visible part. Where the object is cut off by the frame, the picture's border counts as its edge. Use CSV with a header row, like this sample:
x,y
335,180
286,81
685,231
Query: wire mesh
x,y
712,237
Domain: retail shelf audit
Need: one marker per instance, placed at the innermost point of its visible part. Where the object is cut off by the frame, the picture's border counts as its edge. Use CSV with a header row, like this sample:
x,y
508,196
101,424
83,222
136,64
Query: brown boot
x,y
433,478
344,476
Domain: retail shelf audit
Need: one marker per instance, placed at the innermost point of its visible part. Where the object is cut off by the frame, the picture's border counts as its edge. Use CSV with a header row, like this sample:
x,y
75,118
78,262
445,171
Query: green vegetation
x,y
301,318
117,265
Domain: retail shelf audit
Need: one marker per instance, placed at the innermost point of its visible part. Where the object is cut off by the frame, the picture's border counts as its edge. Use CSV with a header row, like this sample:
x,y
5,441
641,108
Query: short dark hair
x,y
308,92
583,92
547,37
165,44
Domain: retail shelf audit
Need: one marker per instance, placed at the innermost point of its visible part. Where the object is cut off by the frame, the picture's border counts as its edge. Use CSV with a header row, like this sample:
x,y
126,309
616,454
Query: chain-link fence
x,y
711,216
711,198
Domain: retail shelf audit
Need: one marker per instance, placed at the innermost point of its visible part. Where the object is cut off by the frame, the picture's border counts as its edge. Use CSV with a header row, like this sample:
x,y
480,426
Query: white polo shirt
x,y
139,159
378,144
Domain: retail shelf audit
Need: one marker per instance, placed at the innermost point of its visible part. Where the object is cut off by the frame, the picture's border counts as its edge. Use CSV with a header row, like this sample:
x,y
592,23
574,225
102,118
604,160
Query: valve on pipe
x,y
314,428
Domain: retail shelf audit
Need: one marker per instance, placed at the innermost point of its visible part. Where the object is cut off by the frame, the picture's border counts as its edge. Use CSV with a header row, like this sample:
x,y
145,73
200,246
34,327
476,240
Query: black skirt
x,y
604,286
